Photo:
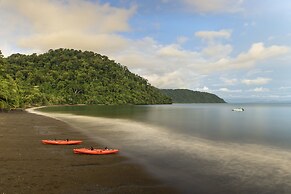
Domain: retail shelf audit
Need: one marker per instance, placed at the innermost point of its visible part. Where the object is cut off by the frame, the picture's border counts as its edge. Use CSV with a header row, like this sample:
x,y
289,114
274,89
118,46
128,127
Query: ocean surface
x,y
198,148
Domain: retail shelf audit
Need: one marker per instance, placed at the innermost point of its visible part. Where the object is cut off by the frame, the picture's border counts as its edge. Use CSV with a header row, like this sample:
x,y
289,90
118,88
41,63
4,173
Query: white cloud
x,y
76,24
213,35
153,57
53,15
99,43
261,89
204,89
256,71
257,81
215,6
285,88
224,89
257,53
172,51
250,24
182,39
147,57
217,51
229,81
229,90
170,80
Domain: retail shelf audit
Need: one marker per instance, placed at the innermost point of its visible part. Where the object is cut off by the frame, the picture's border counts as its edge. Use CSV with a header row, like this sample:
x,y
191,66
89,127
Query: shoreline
x,y
28,166
211,166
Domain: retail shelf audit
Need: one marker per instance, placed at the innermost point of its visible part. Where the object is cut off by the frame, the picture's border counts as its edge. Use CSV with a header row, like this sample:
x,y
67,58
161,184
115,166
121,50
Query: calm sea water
x,y
199,148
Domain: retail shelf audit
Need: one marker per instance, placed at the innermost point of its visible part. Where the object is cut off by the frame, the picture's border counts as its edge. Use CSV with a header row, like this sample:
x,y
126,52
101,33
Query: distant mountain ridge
x,y
190,96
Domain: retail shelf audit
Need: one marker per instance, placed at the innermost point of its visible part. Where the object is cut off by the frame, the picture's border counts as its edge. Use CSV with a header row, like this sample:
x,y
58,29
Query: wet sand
x,y
28,166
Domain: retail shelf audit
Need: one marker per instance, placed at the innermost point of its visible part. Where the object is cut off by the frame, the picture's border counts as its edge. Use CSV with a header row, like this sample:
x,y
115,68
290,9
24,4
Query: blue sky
x,y
237,49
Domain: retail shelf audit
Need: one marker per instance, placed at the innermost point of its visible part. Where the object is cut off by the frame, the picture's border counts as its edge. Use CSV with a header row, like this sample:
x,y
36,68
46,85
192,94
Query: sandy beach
x,y
28,166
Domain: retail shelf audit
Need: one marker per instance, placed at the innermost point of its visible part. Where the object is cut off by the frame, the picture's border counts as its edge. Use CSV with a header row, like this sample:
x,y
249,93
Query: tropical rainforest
x,y
189,96
67,76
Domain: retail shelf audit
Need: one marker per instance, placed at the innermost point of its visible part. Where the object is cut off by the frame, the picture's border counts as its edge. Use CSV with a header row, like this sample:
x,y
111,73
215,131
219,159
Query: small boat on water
x,y
61,142
238,109
95,151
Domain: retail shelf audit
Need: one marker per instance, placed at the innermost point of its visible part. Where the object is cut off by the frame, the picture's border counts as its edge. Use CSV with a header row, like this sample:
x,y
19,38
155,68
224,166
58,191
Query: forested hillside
x,y
189,96
67,76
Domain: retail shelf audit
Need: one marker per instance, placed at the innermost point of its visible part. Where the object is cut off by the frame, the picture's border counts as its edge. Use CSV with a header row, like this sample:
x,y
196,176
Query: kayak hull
x,y
238,109
61,142
95,151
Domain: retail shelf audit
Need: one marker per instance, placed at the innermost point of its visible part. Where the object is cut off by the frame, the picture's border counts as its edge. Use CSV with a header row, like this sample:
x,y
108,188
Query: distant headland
x,y
189,96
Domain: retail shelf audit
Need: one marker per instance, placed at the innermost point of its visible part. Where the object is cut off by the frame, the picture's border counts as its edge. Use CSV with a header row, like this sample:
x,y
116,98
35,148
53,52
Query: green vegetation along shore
x,y
67,76
189,96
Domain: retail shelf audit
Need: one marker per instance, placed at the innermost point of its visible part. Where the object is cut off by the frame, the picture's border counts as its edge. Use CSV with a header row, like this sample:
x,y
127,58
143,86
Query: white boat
x,y
238,109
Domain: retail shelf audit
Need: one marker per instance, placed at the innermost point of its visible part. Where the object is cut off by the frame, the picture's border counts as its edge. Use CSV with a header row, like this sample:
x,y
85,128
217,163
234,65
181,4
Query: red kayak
x,y
95,151
61,142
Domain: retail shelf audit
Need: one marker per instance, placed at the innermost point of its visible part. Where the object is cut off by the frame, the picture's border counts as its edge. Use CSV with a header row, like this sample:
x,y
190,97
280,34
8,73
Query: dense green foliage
x,y
67,76
189,96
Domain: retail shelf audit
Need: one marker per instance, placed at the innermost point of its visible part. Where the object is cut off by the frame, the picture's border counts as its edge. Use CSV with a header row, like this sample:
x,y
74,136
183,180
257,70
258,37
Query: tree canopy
x,y
67,76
